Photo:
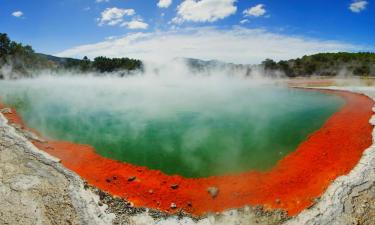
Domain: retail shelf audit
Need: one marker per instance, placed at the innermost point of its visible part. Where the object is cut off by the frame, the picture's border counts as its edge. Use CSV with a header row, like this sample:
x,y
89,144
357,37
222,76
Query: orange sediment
x,y
292,184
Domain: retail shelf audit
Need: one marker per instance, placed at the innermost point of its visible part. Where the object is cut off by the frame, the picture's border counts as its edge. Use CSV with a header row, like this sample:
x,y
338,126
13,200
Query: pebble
x,y
174,186
6,111
132,178
213,191
85,185
101,195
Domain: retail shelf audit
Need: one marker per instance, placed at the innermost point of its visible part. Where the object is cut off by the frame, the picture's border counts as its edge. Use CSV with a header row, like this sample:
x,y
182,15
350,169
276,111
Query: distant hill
x,y
60,61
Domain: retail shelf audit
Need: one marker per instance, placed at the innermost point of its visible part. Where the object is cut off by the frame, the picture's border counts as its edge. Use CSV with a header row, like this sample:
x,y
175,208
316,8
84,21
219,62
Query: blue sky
x,y
80,27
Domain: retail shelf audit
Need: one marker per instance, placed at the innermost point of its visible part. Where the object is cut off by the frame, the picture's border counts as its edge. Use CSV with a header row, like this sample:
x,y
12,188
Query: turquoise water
x,y
195,128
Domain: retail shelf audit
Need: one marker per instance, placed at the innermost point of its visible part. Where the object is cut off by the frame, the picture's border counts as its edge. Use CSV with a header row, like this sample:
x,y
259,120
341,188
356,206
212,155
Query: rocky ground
x,y
36,189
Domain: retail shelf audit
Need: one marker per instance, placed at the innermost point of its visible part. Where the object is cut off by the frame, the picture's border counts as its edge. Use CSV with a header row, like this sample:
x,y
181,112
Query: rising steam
x,y
207,121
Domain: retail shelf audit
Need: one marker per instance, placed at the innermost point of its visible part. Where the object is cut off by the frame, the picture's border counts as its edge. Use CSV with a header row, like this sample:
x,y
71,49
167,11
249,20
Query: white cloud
x,y
101,1
135,24
164,3
17,14
244,21
111,38
114,16
256,11
239,45
204,10
358,6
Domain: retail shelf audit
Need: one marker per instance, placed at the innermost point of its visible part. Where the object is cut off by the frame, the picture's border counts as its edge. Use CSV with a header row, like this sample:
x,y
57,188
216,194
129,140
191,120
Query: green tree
x,y
4,45
85,64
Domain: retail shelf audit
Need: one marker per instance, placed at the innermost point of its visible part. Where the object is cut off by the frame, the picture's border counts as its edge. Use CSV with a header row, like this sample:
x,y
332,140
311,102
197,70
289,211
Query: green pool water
x,y
195,128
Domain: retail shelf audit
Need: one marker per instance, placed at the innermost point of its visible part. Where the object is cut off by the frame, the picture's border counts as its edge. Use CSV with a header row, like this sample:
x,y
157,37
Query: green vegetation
x,y
21,60
104,64
325,64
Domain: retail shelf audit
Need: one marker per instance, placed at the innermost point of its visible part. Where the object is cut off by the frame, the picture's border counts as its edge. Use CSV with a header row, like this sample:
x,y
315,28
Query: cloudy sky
x,y
242,31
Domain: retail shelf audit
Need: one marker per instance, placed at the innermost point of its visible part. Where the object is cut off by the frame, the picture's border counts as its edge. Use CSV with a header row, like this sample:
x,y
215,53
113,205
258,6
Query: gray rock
x,y
24,182
132,178
174,186
173,206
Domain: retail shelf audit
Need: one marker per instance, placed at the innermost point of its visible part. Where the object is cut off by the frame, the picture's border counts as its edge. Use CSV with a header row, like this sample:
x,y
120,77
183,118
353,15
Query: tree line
x,y
22,59
104,64
325,64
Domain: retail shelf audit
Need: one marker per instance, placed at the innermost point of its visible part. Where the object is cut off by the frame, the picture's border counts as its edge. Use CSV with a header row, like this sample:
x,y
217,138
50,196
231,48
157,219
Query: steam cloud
x,y
162,93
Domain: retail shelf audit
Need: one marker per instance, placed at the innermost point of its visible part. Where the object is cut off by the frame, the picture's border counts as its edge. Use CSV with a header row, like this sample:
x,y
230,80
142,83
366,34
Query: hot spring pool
x,y
196,127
